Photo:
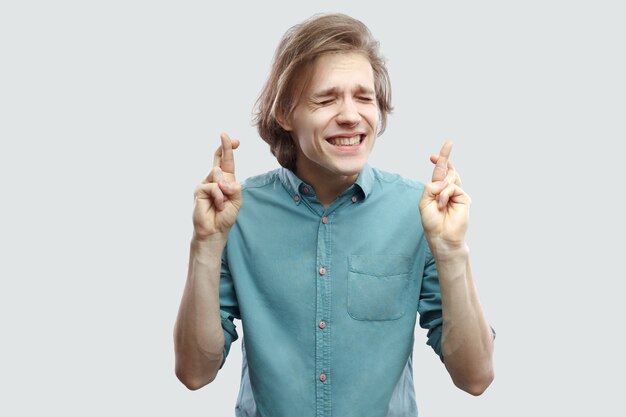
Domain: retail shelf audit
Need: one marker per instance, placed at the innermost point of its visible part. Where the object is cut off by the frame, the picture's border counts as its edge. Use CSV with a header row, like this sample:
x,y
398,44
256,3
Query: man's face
x,y
335,122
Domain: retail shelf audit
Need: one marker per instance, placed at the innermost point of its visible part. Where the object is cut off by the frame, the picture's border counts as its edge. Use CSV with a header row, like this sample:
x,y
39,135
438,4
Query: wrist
x,y
446,251
209,245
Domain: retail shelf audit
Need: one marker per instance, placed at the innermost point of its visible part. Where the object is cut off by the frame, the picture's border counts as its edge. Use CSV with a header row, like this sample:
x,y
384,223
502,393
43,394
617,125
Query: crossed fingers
x,y
444,170
223,159
445,173
216,185
451,174
224,156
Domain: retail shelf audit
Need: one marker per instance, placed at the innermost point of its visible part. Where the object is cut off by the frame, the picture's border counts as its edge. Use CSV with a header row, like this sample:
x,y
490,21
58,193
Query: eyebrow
x,y
334,91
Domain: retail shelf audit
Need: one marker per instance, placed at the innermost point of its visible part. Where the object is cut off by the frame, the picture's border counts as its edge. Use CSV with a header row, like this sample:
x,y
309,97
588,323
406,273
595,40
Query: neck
x,y
327,185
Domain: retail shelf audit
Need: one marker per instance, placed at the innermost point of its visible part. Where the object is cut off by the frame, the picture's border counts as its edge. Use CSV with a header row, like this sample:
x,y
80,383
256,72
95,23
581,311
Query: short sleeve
x,y
429,305
229,307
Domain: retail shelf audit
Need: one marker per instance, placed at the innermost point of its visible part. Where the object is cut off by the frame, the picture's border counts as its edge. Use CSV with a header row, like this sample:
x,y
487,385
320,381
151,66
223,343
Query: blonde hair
x,y
299,47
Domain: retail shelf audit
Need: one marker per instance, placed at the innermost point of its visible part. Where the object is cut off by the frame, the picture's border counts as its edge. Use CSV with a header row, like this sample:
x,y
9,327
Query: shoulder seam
x,y
259,181
390,177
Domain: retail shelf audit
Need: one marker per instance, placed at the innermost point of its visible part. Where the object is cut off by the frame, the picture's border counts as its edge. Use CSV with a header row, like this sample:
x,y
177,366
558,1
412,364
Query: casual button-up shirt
x,y
329,297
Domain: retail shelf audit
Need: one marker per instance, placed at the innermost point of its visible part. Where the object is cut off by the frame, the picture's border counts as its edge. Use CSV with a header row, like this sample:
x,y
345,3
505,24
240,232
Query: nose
x,y
348,113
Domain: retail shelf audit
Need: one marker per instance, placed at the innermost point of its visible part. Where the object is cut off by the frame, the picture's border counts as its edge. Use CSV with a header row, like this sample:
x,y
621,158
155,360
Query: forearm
x,y
467,341
198,334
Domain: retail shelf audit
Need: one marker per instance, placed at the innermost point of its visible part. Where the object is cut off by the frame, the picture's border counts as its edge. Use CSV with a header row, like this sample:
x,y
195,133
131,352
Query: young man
x,y
327,261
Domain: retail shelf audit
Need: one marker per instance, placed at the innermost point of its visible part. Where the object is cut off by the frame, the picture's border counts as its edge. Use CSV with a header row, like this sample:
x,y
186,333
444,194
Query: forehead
x,y
340,71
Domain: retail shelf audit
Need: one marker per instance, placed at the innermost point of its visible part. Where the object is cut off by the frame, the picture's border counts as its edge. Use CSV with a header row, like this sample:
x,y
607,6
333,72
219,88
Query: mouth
x,y
346,140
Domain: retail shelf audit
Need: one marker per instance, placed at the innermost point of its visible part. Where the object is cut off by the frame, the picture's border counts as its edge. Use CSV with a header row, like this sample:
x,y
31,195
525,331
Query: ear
x,y
284,122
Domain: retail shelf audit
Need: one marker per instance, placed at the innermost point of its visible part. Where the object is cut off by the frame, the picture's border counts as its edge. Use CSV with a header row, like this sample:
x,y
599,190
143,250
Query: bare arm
x,y
467,341
198,334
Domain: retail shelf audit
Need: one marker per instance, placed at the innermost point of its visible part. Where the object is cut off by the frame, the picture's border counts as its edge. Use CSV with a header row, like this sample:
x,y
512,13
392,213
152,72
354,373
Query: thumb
x,y
431,191
232,190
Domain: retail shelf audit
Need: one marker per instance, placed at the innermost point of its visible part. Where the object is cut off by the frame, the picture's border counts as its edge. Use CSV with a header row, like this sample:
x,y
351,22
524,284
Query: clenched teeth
x,y
355,140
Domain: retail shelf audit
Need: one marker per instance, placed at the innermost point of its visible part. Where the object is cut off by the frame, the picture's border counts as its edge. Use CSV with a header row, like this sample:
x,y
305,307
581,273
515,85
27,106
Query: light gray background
x,y
109,114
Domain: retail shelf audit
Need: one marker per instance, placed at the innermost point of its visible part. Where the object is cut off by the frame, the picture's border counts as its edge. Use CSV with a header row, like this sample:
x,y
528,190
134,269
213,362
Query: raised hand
x,y
218,197
444,205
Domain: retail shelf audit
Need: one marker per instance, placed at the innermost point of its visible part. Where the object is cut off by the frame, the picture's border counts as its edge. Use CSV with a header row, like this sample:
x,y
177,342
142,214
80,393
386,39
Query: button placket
x,y
323,308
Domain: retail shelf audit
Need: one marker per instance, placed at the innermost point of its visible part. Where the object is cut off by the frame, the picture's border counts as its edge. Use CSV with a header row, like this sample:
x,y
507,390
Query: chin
x,y
350,169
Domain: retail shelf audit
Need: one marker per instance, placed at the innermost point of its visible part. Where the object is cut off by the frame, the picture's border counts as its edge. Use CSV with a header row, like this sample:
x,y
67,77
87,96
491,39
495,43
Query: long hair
x,y
301,45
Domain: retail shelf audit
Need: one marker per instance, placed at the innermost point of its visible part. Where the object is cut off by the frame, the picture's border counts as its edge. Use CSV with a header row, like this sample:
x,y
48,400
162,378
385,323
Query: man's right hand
x,y
218,197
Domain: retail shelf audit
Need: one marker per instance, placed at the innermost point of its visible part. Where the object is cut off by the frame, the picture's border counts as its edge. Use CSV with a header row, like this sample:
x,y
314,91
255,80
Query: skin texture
x,y
467,341
198,335
337,102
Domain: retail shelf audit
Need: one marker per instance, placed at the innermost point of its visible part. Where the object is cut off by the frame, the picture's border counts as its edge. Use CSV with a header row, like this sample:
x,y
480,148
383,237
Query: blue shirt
x,y
329,297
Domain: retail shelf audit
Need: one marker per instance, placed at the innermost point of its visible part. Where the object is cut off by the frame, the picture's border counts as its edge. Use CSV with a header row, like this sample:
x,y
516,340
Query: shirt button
x,y
322,271
305,190
354,199
324,219
322,324
323,377
296,197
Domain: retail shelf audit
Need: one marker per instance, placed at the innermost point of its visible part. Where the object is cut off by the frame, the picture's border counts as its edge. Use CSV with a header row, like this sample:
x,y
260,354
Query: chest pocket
x,y
378,286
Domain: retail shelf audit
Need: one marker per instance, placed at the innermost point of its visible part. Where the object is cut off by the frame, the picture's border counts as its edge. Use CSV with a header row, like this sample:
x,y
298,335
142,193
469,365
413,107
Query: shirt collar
x,y
365,181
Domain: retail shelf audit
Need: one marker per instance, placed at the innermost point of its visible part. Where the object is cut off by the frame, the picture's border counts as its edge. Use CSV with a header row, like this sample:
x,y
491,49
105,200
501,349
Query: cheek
x,y
373,116
370,113
310,131
306,138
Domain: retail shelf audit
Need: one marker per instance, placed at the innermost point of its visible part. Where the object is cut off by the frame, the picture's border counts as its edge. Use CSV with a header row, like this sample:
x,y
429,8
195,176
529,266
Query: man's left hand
x,y
444,205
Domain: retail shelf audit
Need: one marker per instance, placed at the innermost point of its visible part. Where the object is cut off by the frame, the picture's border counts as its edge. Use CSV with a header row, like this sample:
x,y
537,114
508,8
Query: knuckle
x,y
204,190
199,190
